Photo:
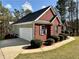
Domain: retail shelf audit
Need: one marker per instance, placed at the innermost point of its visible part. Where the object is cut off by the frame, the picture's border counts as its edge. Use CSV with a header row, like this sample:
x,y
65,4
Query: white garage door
x,y
25,33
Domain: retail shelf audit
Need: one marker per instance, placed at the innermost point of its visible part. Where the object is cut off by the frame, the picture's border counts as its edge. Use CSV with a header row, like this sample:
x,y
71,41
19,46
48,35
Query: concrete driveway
x,y
9,49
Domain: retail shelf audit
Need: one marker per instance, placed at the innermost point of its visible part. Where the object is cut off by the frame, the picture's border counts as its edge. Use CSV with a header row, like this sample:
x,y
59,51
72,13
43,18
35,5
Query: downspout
x,y
33,30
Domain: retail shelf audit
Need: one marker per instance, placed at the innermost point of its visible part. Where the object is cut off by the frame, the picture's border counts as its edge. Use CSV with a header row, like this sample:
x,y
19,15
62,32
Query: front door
x,y
48,31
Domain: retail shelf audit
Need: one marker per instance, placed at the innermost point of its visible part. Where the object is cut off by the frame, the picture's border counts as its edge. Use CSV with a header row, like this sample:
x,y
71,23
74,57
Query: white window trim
x,y
41,30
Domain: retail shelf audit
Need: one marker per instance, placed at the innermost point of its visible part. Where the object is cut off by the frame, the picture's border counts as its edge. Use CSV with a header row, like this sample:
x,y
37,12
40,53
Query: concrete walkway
x,y
11,52
9,49
1,55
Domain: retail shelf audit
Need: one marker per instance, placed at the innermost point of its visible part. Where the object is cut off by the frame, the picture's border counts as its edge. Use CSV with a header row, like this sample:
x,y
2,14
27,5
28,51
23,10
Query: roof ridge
x,y
32,16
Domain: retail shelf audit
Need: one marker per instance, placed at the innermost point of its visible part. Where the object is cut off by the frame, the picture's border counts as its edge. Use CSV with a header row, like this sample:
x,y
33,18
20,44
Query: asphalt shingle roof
x,y
31,16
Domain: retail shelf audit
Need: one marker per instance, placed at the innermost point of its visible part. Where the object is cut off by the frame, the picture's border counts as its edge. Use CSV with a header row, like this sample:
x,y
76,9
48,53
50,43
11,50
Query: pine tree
x,y
61,7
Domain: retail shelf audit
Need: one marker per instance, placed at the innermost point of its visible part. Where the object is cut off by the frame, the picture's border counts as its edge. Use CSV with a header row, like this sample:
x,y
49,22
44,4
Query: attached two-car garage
x,y
26,33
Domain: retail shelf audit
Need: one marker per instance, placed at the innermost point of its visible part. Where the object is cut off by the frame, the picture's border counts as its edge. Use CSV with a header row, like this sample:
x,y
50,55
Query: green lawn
x,y
68,51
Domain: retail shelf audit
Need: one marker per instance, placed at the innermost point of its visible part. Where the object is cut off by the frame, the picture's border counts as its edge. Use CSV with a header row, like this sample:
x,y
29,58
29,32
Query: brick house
x,y
38,25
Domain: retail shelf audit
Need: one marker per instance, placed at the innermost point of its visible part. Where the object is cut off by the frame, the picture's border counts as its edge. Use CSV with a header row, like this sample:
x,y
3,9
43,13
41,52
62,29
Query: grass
x,y
68,51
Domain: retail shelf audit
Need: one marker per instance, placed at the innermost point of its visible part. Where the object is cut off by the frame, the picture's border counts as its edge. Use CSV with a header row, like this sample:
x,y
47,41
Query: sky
x,y
33,5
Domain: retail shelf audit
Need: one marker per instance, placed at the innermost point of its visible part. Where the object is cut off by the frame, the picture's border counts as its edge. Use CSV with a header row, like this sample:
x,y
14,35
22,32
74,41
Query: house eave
x,y
58,19
24,23
42,22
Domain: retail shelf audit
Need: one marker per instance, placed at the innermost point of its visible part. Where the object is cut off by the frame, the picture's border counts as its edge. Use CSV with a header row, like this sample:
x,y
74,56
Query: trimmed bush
x,y
67,32
56,38
36,43
51,40
48,42
64,35
10,36
61,37
62,31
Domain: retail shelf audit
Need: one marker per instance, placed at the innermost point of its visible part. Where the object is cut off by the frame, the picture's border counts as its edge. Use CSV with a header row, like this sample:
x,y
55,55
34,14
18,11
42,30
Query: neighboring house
x,y
39,25
67,27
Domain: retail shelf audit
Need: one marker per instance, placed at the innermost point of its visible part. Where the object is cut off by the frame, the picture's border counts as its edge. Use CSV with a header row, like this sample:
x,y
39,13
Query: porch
x,y
42,30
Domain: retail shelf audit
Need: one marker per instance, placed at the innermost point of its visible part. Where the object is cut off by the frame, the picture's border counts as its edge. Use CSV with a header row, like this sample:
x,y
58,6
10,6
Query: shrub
x,y
64,35
55,38
36,43
65,32
61,37
50,41
10,36
62,31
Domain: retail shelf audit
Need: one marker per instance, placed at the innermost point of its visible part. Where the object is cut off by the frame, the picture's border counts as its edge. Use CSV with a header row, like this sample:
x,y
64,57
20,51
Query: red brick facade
x,y
55,22
37,33
47,16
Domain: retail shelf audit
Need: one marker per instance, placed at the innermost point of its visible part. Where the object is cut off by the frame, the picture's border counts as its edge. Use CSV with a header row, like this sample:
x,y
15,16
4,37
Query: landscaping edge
x,y
47,48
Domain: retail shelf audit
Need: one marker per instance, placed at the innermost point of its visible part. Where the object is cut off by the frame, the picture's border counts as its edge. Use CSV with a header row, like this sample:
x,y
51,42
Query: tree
x,y
25,12
20,13
67,10
61,7
17,14
5,17
77,19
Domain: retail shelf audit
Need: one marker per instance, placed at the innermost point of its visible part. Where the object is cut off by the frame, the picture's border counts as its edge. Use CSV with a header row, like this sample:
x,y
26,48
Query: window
x,y
56,28
43,30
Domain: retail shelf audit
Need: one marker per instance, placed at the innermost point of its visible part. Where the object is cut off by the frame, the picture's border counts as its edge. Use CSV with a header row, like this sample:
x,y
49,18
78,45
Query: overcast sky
x,y
27,4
